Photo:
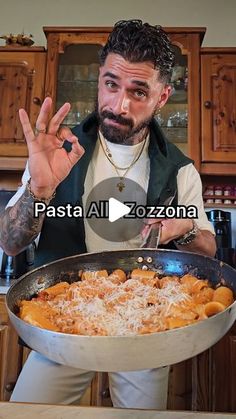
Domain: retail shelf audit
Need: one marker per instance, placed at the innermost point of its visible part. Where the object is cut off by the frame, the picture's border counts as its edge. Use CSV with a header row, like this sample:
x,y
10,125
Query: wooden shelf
x,y
233,197
12,163
220,205
20,48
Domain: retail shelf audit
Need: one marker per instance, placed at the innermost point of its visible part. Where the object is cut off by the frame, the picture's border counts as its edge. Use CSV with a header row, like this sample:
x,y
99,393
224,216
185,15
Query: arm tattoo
x,y
18,226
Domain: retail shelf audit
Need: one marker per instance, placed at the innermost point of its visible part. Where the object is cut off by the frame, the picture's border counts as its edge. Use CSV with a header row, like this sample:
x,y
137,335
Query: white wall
x,y
30,15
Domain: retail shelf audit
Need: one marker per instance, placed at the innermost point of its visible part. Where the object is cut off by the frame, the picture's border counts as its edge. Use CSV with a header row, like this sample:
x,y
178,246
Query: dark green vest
x,y
61,237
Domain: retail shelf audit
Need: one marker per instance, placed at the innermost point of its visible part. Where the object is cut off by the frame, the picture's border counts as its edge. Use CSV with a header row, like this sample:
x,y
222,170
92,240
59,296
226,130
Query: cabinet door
x,y
219,113
214,376
180,386
100,393
181,114
3,357
21,86
10,354
72,68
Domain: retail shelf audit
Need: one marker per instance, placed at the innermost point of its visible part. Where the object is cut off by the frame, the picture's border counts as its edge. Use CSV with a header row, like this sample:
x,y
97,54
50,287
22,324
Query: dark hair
x,y
136,41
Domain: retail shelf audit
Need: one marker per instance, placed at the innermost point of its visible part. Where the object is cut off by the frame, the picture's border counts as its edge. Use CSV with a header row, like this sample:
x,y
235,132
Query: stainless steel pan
x,y
124,353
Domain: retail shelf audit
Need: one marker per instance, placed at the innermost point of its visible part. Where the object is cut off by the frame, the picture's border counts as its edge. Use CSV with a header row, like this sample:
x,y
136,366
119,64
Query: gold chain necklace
x,y
120,185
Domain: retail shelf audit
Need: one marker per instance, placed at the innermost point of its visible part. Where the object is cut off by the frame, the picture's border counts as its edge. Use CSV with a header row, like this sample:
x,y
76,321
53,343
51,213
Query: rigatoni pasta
x,y
103,304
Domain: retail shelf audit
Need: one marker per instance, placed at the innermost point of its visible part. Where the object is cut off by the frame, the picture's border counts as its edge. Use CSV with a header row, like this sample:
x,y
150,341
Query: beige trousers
x,y
44,381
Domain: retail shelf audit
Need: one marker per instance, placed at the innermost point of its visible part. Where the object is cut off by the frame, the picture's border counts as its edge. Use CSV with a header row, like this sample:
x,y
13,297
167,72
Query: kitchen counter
x,y
42,411
4,287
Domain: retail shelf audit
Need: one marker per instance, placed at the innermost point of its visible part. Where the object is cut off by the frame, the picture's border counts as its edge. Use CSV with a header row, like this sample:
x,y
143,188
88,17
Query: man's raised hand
x,y
49,163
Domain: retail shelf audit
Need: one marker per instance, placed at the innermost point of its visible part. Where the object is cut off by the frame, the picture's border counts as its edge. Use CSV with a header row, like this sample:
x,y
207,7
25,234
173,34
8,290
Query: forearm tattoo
x,y
18,226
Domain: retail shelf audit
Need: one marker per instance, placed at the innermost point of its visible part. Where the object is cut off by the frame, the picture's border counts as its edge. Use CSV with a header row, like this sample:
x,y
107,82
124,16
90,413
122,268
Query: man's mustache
x,y
117,118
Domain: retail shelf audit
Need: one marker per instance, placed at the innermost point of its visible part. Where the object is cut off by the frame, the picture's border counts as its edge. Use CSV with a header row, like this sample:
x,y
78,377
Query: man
x,y
120,139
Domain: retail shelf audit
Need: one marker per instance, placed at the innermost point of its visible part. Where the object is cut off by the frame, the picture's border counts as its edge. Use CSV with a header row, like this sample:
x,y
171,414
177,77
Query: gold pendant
x,y
120,186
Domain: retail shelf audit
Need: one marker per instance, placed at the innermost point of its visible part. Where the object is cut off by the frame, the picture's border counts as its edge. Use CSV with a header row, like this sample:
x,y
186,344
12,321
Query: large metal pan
x,y
124,353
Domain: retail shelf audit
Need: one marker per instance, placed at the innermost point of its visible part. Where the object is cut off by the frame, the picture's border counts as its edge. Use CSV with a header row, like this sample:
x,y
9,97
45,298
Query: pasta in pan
x,y
113,304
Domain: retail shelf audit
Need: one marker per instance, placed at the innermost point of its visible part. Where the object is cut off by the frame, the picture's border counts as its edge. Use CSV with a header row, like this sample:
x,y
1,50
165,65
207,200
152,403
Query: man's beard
x,y
116,135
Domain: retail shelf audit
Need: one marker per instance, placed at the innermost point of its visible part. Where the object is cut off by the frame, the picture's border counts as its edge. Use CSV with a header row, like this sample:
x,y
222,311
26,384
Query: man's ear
x,y
164,96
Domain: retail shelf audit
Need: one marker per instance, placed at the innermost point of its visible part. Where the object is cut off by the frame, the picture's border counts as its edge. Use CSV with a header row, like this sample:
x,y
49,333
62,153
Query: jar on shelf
x,y
218,201
209,201
227,191
209,190
227,201
218,190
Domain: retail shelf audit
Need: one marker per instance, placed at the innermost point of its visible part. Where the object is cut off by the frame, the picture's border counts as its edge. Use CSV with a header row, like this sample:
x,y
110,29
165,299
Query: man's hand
x,y
173,228
49,163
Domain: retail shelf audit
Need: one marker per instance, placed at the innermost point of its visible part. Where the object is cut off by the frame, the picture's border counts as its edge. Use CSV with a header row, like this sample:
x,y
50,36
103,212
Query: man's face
x,y
128,96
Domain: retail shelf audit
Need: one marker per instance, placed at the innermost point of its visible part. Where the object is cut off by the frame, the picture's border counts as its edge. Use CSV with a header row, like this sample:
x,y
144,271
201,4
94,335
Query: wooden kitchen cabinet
x,y
214,376
206,382
10,354
22,76
218,107
72,72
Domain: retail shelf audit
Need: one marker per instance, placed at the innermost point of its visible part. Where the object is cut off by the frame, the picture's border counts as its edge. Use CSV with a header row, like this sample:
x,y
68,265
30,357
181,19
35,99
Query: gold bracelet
x,y
35,198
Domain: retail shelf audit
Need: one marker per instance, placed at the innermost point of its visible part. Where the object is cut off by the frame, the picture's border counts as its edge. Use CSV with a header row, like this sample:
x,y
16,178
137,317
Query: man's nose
x,y
121,104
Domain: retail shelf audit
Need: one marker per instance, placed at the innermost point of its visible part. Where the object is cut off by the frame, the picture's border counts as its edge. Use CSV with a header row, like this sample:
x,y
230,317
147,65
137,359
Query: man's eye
x,y
140,93
110,84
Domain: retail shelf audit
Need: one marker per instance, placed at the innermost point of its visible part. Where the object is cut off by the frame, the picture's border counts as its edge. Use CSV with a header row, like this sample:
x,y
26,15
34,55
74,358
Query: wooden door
x,y
218,73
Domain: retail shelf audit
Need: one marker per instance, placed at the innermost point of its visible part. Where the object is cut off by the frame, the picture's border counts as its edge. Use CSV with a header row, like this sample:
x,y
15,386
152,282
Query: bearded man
x,y
121,138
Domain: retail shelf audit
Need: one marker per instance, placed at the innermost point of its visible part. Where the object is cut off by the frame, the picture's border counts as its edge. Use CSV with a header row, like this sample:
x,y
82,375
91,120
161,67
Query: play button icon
x,y
117,210
108,211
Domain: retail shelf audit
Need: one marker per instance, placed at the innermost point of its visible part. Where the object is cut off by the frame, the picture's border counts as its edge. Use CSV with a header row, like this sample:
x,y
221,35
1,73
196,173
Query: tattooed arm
x,y
49,164
18,226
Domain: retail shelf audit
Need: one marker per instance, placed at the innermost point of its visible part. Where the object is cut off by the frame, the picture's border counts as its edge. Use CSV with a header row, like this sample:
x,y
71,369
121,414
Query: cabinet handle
x,y
10,386
208,104
2,77
37,101
106,393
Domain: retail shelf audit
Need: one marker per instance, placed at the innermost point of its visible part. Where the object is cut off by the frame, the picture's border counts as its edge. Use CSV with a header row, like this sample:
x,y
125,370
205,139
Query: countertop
x,y
43,411
4,287
3,290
